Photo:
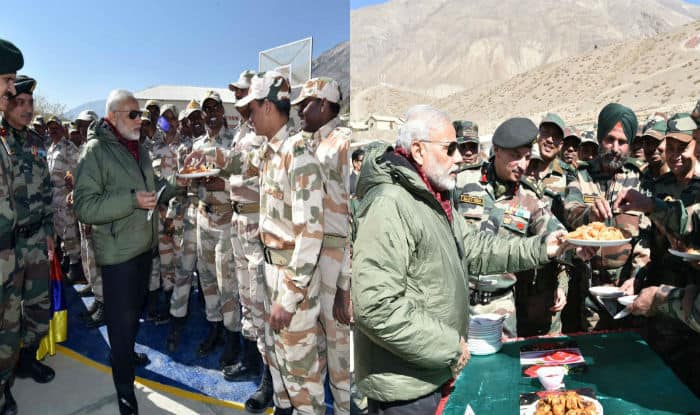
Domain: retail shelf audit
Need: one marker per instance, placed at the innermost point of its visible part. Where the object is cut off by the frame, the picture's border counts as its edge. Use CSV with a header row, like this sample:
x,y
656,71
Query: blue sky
x,y
80,50
356,4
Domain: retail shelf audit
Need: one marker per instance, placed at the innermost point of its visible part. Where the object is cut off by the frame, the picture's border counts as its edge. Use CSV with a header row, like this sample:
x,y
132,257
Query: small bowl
x,y
551,377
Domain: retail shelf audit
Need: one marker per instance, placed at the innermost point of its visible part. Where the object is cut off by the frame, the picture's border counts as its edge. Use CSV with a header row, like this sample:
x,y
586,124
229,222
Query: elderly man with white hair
x,y
412,258
115,193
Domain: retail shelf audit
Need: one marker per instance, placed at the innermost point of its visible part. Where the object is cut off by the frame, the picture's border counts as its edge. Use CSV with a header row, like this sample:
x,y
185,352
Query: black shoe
x,y
141,359
283,411
85,292
89,311
176,326
28,366
232,348
261,399
214,338
97,318
126,398
10,405
76,274
248,366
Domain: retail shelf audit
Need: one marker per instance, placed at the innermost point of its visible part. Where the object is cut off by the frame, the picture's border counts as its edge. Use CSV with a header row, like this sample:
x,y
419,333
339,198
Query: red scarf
x,y
131,145
444,201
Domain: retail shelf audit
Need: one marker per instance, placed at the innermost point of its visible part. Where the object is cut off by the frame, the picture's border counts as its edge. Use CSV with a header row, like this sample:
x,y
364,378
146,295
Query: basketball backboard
x,y
292,60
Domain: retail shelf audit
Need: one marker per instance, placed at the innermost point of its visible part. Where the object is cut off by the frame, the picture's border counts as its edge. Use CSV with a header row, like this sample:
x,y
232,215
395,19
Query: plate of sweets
x,y
192,172
597,234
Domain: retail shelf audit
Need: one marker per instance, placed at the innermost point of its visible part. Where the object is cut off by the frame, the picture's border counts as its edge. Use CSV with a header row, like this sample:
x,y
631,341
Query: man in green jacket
x,y
115,192
411,265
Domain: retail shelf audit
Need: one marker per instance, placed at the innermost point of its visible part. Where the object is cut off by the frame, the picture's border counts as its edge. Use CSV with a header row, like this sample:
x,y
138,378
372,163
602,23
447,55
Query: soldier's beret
x,y
514,133
25,85
11,59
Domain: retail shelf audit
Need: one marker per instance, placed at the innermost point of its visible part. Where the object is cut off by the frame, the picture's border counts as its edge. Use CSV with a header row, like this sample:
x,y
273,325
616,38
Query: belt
x,y
485,297
26,231
217,209
277,256
334,241
246,207
7,241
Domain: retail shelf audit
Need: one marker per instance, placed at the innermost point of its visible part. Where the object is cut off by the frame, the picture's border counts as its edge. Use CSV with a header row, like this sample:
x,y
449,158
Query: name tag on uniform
x,y
474,200
589,199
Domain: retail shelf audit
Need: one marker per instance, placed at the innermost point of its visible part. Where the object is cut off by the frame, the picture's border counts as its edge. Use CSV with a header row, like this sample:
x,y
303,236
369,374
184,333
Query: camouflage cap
x,y
321,87
11,59
211,94
467,131
655,127
243,81
25,85
681,126
552,118
182,115
72,128
571,131
514,133
192,107
55,119
589,137
39,120
152,102
168,107
86,115
145,115
270,85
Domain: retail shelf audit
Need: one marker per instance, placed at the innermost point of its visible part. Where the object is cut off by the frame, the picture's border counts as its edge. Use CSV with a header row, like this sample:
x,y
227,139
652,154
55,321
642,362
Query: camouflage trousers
x,y
186,264
534,296
168,254
66,227
293,353
10,311
503,305
249,269
214,267
33,278
87,255
334,341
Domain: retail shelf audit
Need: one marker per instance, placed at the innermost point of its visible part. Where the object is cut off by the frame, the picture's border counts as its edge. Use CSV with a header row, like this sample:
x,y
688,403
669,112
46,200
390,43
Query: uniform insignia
x,y
589,199
474,200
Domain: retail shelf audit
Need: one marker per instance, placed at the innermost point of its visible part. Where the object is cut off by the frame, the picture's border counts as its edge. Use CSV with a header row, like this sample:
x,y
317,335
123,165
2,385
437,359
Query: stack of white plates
x,y
485,334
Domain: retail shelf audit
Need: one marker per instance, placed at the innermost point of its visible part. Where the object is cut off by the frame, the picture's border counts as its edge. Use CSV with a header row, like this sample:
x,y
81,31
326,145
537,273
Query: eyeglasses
x,y
133,114
451,145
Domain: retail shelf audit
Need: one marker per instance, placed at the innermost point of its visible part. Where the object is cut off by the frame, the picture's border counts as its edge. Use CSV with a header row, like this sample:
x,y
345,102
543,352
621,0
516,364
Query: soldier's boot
x,y
214,338
10,405
232,348
249,365
126,399
28,366
163,315
85,315
176,326
97,318
261,399
76,274
85,292
284,411
152,305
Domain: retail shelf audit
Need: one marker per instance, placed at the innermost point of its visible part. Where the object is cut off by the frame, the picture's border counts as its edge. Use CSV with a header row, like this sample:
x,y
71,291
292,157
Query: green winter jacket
x,y
104,196
410,287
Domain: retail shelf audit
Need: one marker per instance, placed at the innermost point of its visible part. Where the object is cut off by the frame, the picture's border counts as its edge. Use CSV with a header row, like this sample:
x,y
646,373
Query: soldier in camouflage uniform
x,y
11,60
654,147
39,126
291,229
590,195
470,170
34,233
505,202
214,241
318,106
588,150
62,158
569,150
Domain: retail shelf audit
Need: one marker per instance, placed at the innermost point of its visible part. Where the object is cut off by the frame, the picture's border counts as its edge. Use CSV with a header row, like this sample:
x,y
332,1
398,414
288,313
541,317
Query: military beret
x,y
555,119
11,59
514,133
25,85
681,126
467,131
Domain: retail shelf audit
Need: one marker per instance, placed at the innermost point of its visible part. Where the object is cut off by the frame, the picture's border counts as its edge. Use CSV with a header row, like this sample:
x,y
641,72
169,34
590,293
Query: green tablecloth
x,y
627,376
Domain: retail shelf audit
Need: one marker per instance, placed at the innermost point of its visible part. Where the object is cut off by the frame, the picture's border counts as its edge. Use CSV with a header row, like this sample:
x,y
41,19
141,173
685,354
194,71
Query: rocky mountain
x,y
335,63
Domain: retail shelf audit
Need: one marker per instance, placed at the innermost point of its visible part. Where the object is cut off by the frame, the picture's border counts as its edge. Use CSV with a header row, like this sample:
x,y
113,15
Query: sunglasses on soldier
x,y
133,114
450,145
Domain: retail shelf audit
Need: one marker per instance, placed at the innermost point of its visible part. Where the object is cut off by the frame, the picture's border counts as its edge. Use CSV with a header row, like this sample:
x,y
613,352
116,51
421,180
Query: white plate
x,y
530,409
585,242
604,291
486,350
685,255
208,173
626,300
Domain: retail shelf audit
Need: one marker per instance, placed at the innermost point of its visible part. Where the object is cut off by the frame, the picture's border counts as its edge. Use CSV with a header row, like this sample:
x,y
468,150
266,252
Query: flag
x,y
58,323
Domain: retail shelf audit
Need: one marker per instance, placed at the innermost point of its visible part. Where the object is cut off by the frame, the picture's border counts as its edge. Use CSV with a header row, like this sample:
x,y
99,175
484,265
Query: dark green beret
x,y
25,85
514,133
11,59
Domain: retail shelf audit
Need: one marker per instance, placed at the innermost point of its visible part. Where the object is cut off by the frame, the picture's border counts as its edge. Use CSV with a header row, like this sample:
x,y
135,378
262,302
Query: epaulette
x,y
531,185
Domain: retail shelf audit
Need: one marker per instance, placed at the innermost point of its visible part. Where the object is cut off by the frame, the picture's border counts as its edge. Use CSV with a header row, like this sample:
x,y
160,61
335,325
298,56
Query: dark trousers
x,y
425,405
125,288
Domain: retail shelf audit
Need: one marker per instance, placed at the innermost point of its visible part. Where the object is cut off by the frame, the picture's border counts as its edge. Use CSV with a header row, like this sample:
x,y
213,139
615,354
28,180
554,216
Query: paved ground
x,y
82,387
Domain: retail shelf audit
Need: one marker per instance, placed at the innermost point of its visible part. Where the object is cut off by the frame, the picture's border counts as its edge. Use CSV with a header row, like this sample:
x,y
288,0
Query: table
x,y
628,377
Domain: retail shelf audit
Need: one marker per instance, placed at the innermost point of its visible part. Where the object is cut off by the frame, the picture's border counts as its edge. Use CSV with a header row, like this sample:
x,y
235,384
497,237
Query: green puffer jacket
x,y
410,288
104,196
